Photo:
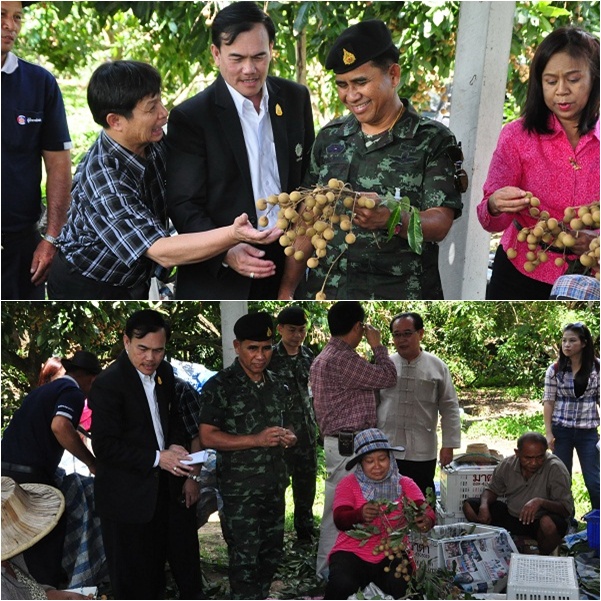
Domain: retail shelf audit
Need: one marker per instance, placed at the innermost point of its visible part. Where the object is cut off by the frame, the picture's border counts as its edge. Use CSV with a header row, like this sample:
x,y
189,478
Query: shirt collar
x,y
70,378
240,101
145,378
557,128
11,64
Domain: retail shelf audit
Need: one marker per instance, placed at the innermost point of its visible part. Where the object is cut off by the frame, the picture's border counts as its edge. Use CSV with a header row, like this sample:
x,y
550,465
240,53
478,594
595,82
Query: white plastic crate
x,y
481,551
458,484
446,517
541,577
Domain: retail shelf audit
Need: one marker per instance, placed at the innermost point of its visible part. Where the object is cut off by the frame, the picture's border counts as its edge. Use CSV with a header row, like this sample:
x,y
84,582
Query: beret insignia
x,y
348,58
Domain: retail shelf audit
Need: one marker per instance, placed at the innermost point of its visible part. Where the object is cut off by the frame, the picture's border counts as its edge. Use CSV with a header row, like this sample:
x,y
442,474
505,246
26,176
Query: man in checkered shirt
x,y
116,237
344,386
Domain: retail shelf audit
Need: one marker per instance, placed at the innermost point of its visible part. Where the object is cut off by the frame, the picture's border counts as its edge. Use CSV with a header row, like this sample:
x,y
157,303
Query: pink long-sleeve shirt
x,y
552,170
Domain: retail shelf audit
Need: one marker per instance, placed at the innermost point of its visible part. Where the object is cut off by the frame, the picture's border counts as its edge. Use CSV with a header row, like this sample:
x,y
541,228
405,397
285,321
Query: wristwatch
x,y
193,477
51,239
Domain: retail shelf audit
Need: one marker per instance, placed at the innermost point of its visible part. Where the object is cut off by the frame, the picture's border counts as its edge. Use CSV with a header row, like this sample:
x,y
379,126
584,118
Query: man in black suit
x,y
245,137
136,428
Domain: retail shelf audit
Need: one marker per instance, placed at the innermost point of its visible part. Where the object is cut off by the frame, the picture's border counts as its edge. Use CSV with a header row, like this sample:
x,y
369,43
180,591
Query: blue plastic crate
x,y
592,528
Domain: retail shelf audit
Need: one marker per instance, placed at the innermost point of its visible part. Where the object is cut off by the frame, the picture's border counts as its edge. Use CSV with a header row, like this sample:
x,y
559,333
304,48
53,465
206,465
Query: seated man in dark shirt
x,y
117,236
537,488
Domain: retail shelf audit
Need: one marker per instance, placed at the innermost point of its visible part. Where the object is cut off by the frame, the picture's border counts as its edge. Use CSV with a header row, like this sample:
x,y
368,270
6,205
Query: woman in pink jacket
x,y
551,153
371,504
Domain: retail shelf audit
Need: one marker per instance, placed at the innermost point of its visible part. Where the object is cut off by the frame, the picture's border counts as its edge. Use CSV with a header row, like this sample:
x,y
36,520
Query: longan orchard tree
x,y
74,37
484,343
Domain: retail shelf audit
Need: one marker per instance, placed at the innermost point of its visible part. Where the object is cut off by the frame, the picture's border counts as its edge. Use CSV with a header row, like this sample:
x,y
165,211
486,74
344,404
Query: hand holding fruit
x,y
371,217
507,200
423,522
243,231
370,511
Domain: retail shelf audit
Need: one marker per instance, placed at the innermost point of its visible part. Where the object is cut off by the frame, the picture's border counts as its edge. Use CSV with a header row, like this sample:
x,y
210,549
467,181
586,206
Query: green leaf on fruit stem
x,y
415,236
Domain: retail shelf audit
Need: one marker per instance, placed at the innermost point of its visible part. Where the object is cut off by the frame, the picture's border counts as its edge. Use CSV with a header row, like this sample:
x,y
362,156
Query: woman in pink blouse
x,y
366,500
552,152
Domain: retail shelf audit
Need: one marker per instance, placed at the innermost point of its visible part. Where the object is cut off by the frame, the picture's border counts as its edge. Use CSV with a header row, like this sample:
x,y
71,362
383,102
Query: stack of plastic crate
x,y
457,483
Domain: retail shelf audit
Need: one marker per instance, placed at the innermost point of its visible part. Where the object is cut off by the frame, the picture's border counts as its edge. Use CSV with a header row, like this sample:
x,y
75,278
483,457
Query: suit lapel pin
x,y
298,150
278,110
159,380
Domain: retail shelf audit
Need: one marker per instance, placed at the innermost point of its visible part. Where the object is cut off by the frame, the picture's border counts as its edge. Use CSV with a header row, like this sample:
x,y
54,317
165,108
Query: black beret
x,y
254,326
294,316
360,44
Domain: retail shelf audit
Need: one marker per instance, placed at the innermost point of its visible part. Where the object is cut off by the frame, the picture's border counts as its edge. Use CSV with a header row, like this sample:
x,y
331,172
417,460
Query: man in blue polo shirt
x,y
34,128
33,444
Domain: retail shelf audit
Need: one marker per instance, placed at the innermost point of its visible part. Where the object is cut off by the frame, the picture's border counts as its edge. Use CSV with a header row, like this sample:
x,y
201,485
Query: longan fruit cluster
x,y
561,235
314,213
394,549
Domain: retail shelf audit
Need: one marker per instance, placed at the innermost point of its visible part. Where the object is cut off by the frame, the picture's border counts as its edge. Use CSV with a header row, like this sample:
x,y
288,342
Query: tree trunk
x,y
301,58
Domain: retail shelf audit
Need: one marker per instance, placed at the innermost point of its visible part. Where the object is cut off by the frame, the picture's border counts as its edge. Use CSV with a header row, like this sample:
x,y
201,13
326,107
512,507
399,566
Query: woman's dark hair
x,y
146,322
588,354
343,315
118,86
49,370
579,44
418,322
238,18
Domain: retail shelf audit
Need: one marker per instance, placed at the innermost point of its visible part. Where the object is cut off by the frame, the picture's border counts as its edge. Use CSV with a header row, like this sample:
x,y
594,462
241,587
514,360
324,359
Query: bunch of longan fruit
x,y
314,213
550,233
393,547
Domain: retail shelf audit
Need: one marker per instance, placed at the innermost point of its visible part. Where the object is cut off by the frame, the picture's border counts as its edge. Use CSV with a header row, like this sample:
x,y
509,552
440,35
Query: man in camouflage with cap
x,y
382,147
244,409
291,361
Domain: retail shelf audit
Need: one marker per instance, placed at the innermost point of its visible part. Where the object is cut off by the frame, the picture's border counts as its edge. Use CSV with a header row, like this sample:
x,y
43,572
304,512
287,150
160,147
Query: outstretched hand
x,y
245,232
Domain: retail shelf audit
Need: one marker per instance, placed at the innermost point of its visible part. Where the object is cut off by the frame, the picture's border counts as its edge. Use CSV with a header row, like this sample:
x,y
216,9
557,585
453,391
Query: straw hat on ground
x,y
29,512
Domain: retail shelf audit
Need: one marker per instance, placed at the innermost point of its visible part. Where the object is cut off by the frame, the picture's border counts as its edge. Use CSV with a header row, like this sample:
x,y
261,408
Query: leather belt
x,y
349,432
24,469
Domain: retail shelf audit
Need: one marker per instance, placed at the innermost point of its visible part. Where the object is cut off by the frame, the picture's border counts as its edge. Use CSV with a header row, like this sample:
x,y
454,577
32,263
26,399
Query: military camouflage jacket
x,y
236,405
294,370
411,157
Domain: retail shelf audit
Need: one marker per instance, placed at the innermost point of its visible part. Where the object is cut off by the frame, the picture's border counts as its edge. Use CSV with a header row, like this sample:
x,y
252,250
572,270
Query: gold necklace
x,y
397,117
387,131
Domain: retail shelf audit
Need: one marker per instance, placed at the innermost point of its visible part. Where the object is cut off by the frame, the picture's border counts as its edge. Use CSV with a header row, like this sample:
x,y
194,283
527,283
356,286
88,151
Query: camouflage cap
x,y
294,316
254,326
360,44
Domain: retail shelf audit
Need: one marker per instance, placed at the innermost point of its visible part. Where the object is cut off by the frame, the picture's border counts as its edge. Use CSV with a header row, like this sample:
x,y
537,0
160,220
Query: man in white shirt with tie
x,y
138,439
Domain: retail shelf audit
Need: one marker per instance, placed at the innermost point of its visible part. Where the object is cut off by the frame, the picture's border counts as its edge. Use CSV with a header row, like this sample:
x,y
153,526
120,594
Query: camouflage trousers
x,y
253,528
301,464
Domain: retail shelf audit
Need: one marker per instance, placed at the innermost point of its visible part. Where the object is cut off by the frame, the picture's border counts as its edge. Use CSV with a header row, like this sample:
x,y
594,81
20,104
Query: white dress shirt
x,y
260,149
149,385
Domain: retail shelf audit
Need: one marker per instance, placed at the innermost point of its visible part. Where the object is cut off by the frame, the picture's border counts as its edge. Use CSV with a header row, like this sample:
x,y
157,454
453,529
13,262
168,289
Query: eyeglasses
x,y
405,334
460,177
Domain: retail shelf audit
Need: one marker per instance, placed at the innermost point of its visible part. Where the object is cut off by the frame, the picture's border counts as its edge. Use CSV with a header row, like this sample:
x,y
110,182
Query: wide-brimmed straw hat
x,y
478,452
368,441
29,512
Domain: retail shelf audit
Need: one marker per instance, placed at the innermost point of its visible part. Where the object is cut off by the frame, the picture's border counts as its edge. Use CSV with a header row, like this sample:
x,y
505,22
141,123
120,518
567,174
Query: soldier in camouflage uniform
x,y
382,147
244,409
291,361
